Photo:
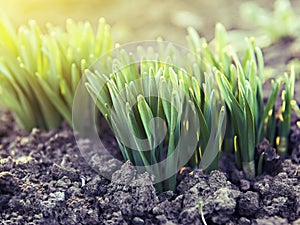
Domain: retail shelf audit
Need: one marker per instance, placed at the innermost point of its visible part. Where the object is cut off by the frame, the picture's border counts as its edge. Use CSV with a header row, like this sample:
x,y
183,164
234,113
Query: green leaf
x,y
146,115
269,105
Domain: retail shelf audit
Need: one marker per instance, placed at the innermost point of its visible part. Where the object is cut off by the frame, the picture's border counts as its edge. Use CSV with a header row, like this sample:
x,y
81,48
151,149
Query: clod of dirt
x,y
97,186
245,185
130,193
169,209
58,172
278,196
271,221
244,221
222,204
271,161
188,180
215,191
190,216
9,183
125,175
6,164
248,203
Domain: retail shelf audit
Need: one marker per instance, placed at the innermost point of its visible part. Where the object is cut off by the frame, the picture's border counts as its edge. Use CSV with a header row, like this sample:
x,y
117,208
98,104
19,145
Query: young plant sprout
x,y
39,71
285,113
159,113
125,96
240,83
201,203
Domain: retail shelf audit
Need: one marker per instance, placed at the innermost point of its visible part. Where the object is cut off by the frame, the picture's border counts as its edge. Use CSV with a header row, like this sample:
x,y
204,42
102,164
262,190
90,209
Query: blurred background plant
x,y
282,22
274,25
39,71
168,18
276,29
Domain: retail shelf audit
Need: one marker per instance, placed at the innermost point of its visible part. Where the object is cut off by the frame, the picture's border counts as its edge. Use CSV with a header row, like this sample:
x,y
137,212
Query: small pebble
x,y
137,221
244,221
244,185
58,196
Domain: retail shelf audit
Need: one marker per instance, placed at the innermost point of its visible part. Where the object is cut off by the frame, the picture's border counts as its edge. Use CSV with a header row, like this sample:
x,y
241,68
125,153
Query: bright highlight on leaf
x,y
39,71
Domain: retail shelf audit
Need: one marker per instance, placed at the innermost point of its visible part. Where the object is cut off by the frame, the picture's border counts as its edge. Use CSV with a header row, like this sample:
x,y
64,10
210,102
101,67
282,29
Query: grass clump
x,y
162,116
40,68
213,77
240,82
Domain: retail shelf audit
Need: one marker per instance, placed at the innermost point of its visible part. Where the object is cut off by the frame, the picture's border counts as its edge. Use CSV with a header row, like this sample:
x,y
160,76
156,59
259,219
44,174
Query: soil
x,y
44,179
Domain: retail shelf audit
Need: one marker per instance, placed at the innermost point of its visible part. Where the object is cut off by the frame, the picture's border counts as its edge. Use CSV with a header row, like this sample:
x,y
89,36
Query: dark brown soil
x,y
45,180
